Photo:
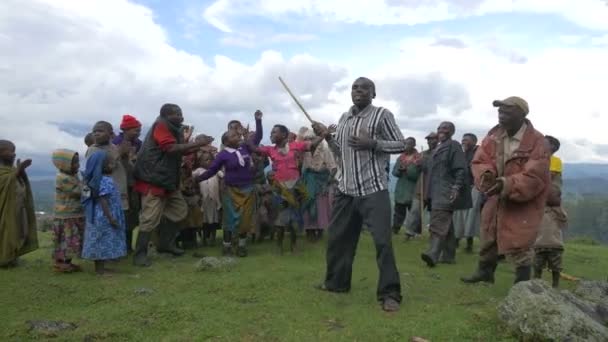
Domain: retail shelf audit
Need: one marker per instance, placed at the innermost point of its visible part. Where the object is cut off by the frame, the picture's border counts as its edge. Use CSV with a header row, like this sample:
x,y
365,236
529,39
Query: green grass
x,y
265,297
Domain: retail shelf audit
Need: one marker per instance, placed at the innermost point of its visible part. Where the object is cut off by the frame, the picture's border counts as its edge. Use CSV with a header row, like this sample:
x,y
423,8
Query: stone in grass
x,y
215,264
50,328
143,291
535,311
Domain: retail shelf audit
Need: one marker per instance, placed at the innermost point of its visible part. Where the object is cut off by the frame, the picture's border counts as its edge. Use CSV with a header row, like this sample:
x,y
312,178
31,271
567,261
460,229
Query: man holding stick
x,y
365,137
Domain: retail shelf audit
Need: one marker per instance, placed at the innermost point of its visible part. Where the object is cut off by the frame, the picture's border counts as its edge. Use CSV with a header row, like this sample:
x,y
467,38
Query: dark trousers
x,y
400,213
348,217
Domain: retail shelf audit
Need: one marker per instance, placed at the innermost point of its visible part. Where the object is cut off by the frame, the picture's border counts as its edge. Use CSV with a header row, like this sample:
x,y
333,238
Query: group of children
x,y
229,188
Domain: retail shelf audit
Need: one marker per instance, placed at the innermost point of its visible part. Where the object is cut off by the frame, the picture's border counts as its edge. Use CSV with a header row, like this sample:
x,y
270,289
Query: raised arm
x,y
215,167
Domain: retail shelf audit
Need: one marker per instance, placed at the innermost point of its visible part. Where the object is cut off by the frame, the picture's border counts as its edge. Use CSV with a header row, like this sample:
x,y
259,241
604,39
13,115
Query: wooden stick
x,y
422,192
296,100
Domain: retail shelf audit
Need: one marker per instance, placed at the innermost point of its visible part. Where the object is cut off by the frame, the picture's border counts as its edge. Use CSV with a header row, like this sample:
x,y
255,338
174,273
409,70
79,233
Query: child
x,y
549,245
68,222
211,202
285,165
89,140
191,194
17,219
239,197
103,132
104,237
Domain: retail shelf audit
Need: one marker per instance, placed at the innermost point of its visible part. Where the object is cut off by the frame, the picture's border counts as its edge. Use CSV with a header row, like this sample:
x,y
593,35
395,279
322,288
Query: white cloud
x,y
73,64
586,13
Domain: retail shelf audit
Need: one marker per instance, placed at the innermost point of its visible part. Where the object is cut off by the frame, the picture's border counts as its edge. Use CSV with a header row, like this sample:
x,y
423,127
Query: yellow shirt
x,y
556,164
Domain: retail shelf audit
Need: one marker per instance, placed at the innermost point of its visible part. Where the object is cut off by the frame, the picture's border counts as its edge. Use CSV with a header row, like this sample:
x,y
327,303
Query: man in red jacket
x,y
511,167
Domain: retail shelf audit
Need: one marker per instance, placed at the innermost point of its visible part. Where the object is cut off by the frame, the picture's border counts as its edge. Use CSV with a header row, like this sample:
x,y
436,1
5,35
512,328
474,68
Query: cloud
x,y
252,40
66,65
223,14
450,42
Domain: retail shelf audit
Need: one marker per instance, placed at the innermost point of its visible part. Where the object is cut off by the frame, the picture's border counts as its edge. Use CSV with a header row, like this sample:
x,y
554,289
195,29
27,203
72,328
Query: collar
x,y
519,135
363,112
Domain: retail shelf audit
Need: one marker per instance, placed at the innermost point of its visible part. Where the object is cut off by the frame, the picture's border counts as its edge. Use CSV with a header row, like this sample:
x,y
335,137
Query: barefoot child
x,y
104,237
68,221
17,219
285,166
239,198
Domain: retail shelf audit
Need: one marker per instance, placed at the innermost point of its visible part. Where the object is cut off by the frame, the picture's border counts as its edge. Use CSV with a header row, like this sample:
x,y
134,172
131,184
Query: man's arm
x,y
532,181
391,138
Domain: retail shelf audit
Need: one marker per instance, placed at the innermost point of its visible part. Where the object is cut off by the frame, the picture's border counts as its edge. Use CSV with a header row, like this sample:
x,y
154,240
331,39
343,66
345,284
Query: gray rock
x,y
143,291
50,328
535,311
215,264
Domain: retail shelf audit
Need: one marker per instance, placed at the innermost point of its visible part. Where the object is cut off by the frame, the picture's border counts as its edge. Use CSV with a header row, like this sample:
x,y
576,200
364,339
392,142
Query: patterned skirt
x,y
67,237
239,207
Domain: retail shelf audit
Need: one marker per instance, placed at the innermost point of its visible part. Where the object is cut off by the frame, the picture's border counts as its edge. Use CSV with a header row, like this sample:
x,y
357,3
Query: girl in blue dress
x,y
104,237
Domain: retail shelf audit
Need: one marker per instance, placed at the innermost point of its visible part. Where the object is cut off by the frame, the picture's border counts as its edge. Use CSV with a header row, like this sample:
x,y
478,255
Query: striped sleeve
x,y
390,137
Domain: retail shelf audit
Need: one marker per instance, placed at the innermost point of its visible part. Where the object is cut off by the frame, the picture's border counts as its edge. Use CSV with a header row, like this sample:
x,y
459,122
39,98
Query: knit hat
x,y
129,122
62,159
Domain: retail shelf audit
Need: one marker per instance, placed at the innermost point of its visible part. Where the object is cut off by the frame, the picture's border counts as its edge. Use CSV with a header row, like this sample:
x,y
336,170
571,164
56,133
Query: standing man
x,y
157,179
406,170
446,192
413,222
466,222
366,136
511,168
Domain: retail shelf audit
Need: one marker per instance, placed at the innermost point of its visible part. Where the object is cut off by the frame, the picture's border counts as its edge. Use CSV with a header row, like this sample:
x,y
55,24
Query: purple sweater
x,y
234,173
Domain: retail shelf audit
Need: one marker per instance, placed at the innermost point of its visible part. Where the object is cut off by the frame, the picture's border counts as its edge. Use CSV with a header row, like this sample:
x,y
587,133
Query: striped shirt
x,y
362,173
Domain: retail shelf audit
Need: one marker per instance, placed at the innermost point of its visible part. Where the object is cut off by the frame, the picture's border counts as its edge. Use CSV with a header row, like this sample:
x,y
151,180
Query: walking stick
x,y
422,192
296,100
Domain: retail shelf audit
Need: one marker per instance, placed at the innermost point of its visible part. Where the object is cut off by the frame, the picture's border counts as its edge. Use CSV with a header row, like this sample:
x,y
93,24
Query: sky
x,y
68,63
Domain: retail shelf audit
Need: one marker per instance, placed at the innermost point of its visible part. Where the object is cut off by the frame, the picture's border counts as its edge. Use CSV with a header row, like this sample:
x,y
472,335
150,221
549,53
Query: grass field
x,y
265,297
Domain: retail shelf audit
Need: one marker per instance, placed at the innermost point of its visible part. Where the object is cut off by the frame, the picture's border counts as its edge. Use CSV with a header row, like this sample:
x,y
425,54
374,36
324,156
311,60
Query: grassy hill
x,y
264,298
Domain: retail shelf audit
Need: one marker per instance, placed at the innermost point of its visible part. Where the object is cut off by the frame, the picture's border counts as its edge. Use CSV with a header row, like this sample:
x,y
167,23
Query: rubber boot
x,y
469,247
522,273
396,229
140,255
538,272
484,273
448,250
129,240
555,275
432,253
167,236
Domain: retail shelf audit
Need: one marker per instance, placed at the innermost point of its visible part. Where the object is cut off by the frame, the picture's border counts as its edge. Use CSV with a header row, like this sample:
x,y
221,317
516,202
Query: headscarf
x,y
62,159
92,180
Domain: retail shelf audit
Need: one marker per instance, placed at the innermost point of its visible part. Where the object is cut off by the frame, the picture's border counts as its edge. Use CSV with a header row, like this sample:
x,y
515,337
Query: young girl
x,y
191,193
17,219
239,198
285,166
210,199
68,222
104,237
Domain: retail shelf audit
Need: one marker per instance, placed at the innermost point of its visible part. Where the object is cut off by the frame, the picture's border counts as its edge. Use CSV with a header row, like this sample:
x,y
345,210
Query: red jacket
x,y
514,216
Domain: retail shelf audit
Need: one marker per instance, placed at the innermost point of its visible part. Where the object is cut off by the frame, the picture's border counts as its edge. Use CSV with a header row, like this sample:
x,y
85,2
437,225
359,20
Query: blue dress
x,y
101,240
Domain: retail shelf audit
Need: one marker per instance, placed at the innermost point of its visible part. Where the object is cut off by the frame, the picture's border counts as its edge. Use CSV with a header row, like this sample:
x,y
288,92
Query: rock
x,y
215,264
535,311
50,328
143,291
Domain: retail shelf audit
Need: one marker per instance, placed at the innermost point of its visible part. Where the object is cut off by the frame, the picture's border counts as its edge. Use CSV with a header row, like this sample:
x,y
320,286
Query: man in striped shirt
x,y
365,137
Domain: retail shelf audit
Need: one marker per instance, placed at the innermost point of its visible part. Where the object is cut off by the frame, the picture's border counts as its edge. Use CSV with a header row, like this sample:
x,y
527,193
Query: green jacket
x,y
406,182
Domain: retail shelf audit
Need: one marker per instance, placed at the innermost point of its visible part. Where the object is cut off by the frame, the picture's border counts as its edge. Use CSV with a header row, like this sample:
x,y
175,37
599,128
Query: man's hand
x,y
454,194
205,140
258,114
21,166
320,129
124,148
113,223
332,129
362,143
496,188
488,180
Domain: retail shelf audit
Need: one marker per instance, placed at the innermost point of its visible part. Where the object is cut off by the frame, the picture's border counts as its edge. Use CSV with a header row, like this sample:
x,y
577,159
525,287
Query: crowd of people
x,y
175,191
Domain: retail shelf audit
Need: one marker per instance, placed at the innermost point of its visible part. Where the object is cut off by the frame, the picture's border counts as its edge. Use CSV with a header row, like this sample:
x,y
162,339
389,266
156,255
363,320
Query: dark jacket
x,y
468,156
156,167
447,170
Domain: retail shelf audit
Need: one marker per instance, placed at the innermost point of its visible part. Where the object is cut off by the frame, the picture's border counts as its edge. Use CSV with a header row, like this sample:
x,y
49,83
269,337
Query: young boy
x,y
211,202
17,219
239,198
286,168
68,220
549,245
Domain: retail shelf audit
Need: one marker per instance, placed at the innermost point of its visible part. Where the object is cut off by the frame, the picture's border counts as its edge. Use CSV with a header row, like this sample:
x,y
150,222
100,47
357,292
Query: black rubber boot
x,y
396,229
448,249
167,232
469,247
522,273
484,273
129,240
140,255
432,253
555,275
538,272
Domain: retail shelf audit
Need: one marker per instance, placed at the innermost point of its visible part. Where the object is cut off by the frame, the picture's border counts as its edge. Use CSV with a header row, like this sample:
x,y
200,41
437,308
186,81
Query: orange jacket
x,y
514,215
